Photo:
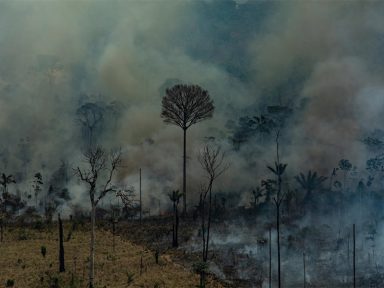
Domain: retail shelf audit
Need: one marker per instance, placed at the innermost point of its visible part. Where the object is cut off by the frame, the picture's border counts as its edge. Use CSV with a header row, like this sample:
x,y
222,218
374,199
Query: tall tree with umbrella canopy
x,y
185,105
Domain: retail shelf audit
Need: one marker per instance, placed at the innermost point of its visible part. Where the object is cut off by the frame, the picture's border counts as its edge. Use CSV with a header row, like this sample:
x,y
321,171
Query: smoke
x,y
321,59
327,55
56,56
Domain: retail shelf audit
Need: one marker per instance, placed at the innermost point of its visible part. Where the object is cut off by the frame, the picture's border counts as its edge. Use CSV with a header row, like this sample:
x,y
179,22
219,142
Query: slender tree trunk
x,y
348,256
1,230
354,256
209,221
177,226
185,172
278,244
202,279
174,227
61,246
304,270
141,209
92,249
203,225
113,234
202,207
278,201
270,258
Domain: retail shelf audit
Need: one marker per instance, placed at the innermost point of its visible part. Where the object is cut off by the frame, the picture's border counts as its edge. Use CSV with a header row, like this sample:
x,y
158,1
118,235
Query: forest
x,y
212,143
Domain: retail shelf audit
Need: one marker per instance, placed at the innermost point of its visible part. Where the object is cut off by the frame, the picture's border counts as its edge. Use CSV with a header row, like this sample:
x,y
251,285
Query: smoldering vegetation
x,y
311,73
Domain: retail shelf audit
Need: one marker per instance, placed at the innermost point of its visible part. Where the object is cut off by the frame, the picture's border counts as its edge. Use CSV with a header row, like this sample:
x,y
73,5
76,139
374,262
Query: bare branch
x,y
212,160
185,105
96,160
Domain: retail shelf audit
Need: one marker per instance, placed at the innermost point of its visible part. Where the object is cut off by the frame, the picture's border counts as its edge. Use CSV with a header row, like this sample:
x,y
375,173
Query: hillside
x,y
130,265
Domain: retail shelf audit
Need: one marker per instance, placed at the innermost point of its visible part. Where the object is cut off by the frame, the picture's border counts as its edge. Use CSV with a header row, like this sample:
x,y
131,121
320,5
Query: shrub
x,y
43,251
23,235
199,267
38,225
10,283
130,277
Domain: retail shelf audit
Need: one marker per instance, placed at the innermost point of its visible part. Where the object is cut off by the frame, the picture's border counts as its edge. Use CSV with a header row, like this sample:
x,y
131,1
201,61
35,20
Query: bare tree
x,y
185,105
97,162
61,246
37,183
128,197
90,116
211,159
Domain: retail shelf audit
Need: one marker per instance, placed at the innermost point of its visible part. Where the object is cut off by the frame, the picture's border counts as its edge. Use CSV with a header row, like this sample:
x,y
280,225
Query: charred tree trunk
x,y
175,242
206,227
354,256
270,258
177,226
1,230
278,244
61,247
304,274
185,172
92,249
113,234
202,279
208,222
202,207
141,207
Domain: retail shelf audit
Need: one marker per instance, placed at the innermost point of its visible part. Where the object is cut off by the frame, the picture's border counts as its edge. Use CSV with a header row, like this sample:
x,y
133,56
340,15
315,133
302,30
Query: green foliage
x,y
311,181
258,193
248,127
111,257
279,169
130,278
52,280
345,165
158,284
375,164
38,225
5,180
23,235
200,266
175,196
269,187
75,282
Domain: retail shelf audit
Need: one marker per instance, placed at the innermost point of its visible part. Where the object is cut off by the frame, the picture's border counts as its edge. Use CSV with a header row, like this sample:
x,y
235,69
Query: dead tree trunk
x,y
185,172
141,207
278,244
113,234
304,274
174,196
354,256
1,230
270,258
92,249
212,162
61,247
175,242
